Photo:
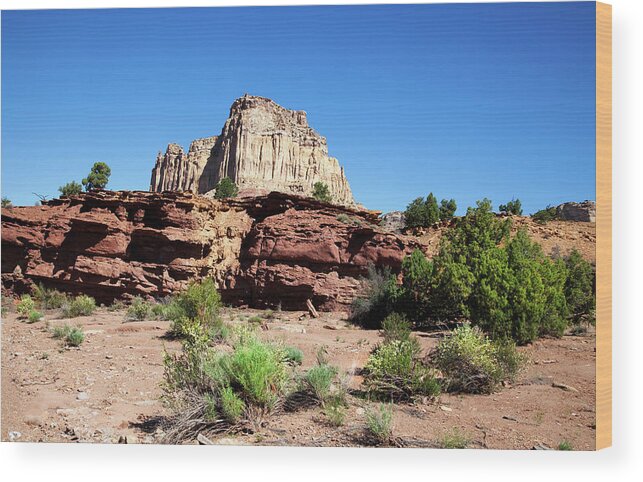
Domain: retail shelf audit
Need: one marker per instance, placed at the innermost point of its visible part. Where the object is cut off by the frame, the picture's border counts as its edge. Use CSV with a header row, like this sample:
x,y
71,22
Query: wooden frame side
x,y
603,225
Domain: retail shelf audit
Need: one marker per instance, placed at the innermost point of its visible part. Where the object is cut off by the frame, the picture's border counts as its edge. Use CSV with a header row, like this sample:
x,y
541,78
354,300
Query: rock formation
x,y
395,221
261,251
571,211
263,147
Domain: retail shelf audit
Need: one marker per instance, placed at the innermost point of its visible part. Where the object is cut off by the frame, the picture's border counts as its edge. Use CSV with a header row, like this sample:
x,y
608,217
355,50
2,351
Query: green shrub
x,y
378,299
293,355
335,411
225,188
199,303
321,192
210,412
258,369
232,407
454,439
34,316
268,315
255,320
447,209
82,305
472,363
98,176
26,305
71,189
396,327
319,379
48,298
393,370
580,289
343,218
565,445
379,422
512,207
545,215
6,202
72,336
117,305
139,309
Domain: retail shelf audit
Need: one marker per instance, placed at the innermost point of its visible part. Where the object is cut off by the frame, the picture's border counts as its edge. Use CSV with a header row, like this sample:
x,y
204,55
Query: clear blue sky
x,y
467,100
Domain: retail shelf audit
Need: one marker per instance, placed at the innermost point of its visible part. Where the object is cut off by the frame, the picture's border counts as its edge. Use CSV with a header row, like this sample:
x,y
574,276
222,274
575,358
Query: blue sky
x,y
467,101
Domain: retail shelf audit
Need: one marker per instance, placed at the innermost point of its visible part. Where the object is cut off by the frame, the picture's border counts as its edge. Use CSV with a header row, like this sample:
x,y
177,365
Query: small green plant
x,y
25,306
379,422
197,307
225,188
472,363
210,412
565,445
82,305
258,369
48,298
139,309
512,207
321,192
545,215
268,315
255,320
394,370
343,218
232,407
319,379
6,202
70,189
293,355
396,327
71,336
335,411
454,439
117,305
35,316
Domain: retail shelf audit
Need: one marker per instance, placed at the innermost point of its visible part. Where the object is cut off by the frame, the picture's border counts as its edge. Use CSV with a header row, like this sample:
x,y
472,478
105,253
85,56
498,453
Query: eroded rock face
x,y
267,250
571,211
263,147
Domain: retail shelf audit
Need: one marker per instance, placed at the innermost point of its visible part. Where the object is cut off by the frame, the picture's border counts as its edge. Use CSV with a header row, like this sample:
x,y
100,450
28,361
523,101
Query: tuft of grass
x,y
258,370
139,309
269,315
454,439
117,305
319,380
82,305
71,336
210,412
343,218
232,407
396,327
379,422
35,316
255,320
335,411
565,445
293,355
472,363
394,370
26,305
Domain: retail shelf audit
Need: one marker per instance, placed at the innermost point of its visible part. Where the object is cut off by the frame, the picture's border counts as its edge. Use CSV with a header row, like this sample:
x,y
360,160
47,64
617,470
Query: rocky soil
x,y
108,389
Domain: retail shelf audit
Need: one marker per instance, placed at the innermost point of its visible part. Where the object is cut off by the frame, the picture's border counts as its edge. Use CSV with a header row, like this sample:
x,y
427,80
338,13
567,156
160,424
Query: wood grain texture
x,y
603,225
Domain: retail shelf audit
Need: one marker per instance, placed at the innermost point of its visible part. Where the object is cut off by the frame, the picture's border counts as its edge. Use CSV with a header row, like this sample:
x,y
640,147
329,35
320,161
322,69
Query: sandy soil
x,y
108,389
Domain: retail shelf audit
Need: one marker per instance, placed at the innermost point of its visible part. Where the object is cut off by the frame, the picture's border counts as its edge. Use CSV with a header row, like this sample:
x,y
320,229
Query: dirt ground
x,y
108,389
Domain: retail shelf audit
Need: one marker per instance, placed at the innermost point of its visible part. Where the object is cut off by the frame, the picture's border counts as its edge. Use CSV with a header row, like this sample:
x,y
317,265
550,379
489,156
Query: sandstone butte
x,y
276,249
263,147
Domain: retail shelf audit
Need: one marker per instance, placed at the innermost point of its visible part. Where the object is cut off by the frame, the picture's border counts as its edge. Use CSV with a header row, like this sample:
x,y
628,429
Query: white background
x,y
20,461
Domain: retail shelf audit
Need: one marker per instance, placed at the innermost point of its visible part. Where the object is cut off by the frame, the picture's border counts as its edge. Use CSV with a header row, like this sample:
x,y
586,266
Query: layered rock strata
x,y
263,147
262,251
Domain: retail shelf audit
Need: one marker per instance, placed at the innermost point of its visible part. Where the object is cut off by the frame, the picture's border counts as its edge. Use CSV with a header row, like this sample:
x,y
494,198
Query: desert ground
x,y
108,389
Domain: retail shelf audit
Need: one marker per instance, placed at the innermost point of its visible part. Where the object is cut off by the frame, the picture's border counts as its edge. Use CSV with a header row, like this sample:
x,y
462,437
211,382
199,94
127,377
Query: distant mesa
x,y
263,147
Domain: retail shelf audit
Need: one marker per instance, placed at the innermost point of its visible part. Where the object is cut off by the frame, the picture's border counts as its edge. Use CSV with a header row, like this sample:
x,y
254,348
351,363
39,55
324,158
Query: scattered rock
x,y
444,408
82,396
13,436
541,446
203,440
562,386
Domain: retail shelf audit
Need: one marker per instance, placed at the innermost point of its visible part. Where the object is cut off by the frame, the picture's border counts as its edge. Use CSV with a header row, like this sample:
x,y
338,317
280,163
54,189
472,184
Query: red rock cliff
x,y
261,251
